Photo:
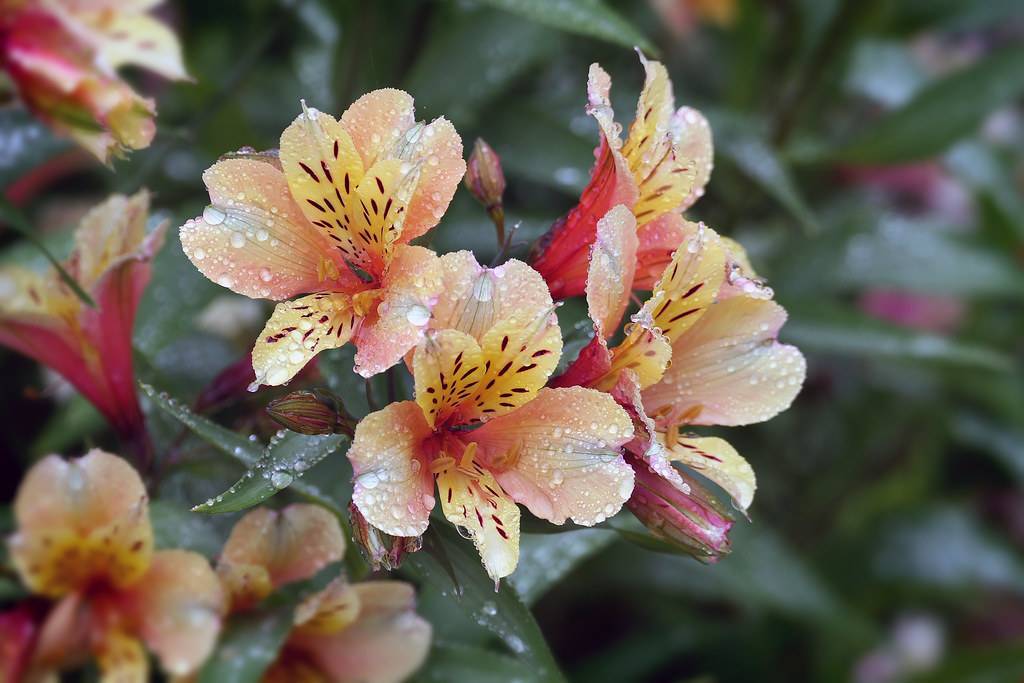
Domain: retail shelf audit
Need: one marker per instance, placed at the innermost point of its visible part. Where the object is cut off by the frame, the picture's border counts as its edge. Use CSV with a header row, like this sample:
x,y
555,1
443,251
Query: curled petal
x,y
411,287
729,369
79,521
393,487
612,265
289,545
447,368
740,277
559,455
297,331
386,644
692,134
177,609
717,460
475,298
254,240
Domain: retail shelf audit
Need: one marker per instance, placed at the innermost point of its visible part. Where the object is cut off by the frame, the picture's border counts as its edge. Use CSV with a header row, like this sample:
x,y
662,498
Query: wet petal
x,y
323,170
473,500
474,298
447,368
645,352
386,643
121,658
693,140
740,277
108,232
729,369
377,121
439,155
717,460
288,545
559,454
612,265
393,490
518,358
297,331
178,608
329,611
254,240
412,285
81,520
687,287
658,241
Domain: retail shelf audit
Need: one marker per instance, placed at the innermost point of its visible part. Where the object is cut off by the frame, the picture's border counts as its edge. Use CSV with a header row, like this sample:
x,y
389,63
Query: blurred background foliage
x,y
869,154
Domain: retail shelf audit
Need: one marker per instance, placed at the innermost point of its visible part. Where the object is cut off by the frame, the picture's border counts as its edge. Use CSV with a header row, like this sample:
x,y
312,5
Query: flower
x,y
63,58
84,539
483,427
330,217
367,632
659,172
91,347
702,350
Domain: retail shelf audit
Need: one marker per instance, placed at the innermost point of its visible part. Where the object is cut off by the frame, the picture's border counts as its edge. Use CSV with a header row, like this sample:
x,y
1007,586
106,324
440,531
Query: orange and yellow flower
x,y
365,632
41,317
484,428
702,350
658,173
330,217
84,539
63,57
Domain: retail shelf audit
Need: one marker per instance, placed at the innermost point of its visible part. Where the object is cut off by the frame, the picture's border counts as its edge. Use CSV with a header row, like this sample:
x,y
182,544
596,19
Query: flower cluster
x,y
328,219
85,543
63,58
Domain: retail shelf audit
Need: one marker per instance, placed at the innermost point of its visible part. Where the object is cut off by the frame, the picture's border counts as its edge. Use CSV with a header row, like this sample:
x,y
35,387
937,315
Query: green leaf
x,y
986,664
286,458
457,662
175,527
545,559
849,334
25,144
941,113
444,81
16,220
586,17
501,612
252,641
246,451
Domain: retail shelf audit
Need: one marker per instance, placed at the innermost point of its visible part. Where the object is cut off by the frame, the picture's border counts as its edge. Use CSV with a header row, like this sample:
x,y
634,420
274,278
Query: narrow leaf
x,y
545,559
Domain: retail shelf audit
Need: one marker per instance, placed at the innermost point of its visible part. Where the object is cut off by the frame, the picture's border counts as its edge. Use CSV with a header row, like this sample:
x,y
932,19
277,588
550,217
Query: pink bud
x,y
380,550
484,177
310,412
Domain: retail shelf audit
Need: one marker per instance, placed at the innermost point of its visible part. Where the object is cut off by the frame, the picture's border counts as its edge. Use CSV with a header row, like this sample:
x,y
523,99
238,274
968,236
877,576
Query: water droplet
x,y
281,479
418,315
213,216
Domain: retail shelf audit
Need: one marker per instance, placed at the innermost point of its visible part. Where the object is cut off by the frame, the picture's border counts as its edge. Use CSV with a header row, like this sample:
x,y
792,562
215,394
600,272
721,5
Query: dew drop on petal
x,y
213,216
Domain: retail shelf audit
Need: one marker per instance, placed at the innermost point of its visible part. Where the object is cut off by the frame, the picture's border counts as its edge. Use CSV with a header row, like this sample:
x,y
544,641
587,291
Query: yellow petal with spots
x,y
121,658
717,460
297,331
645,352
518,359
382,196
328,611
447,367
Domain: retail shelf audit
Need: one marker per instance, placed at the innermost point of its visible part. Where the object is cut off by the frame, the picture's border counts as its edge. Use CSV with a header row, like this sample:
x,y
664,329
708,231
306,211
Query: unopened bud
x,y
486,181
310,412
381,550
689,518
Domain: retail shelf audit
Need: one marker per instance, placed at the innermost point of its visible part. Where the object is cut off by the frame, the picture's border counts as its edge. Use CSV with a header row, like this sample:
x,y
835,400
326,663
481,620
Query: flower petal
x,y
645,352
393,487
297,331
377,121
411,287
518,358
125,38
729,369
387,642
254,240
474,298
687,287
717,460
178,608
121,658
559,454
289,545
473,500
328,611
658,241
447,368
740,277
694,144
81,520
561,256
438,151
108,232
612,265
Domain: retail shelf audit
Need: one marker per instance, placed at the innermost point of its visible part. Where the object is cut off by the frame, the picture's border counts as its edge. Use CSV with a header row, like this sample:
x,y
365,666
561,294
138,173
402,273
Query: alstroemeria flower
x,y
91,347
330,218
556,451
83,539
658,173
702,350
365,632
63,57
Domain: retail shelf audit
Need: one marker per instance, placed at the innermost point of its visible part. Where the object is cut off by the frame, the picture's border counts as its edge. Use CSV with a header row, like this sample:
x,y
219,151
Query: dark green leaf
x,y
25,144
175,527
545,559
457,662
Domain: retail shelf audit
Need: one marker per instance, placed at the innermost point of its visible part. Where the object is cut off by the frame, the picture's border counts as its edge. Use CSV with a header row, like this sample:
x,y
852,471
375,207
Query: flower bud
x,y
486,181
310,412
381,550
691,519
